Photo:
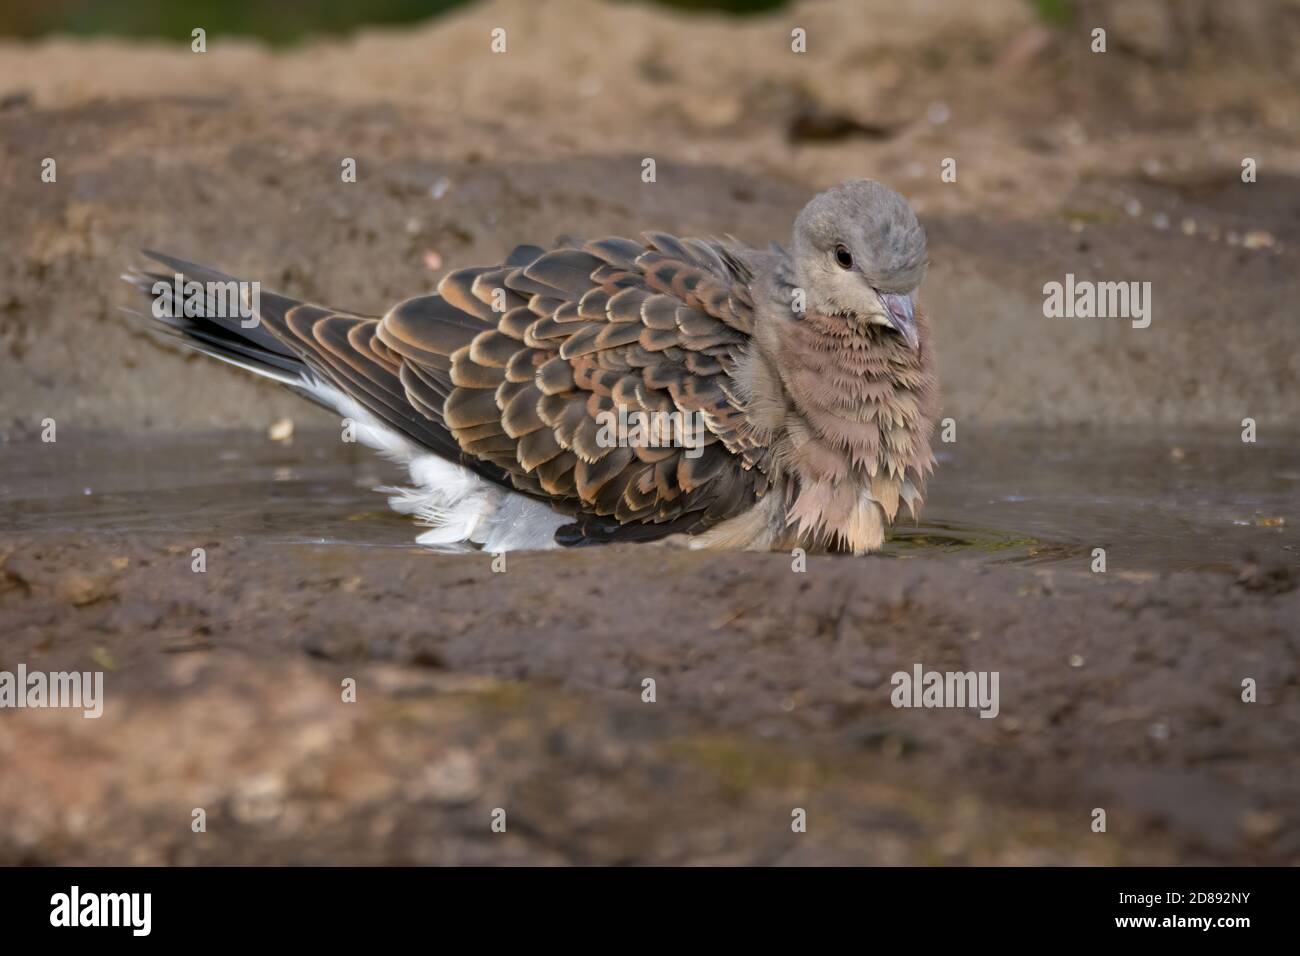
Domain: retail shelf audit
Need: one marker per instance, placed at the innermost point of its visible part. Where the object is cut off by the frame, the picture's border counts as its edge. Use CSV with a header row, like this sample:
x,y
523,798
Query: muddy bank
x,y
1115,167
523,690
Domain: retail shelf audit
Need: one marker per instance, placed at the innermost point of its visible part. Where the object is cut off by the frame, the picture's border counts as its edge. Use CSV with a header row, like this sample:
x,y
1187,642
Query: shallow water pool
x,y
1154,501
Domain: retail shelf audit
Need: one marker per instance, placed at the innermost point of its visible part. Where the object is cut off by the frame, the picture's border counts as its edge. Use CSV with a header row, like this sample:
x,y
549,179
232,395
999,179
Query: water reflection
x,y
1155,502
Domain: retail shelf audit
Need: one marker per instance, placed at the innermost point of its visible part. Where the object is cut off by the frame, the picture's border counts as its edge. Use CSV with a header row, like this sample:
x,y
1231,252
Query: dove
x,y
799,383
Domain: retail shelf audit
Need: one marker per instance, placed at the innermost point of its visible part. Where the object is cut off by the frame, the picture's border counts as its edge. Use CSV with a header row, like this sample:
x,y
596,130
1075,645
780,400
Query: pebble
x,y
258,799
79,588
452,779
281,430
103,658
1258,239
714,111
1260,824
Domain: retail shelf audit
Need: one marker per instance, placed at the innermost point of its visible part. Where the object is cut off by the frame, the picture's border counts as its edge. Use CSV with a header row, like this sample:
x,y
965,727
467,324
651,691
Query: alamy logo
x,y
1083,299
103,909
638,429
230,299
960,689
73,689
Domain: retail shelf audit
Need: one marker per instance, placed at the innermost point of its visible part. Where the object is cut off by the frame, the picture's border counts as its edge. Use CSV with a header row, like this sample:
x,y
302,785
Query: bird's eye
x,y
843,257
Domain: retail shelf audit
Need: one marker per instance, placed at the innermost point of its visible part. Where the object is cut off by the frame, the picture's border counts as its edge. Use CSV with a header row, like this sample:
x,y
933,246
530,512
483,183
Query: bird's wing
x,y
508,368
518,362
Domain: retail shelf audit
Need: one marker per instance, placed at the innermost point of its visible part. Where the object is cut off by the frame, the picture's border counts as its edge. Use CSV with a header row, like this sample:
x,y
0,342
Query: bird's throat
x,y
861,438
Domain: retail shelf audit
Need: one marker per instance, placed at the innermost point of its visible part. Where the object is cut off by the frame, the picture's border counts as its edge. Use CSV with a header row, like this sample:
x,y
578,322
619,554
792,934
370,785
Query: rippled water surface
x,y
1154,501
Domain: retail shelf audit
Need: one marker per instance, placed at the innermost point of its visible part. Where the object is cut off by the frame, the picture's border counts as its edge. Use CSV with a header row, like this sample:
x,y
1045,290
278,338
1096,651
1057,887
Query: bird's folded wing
x,y
518,362
508,369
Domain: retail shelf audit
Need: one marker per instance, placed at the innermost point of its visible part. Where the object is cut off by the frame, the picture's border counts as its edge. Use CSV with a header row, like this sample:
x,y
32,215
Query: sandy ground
x,y
523,692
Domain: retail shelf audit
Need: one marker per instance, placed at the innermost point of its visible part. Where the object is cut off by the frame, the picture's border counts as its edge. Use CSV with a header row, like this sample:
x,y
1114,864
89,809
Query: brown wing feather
x,y
510,368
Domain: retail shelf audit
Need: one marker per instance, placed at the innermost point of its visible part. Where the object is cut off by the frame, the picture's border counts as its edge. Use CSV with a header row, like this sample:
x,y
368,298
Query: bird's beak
x,y
902,316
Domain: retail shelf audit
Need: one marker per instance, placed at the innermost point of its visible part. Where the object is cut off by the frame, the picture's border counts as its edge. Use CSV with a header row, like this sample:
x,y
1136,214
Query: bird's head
x,y
858,252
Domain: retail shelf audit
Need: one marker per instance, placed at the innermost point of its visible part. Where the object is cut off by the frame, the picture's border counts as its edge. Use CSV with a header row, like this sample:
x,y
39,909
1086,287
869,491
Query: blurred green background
x,y
278,21
284,21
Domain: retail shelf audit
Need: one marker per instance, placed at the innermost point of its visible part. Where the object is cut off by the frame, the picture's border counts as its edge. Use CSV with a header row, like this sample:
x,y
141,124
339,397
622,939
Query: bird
x,y
794,390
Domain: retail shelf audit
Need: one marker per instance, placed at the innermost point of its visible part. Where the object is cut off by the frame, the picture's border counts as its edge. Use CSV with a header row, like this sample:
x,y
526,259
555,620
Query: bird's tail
x,y
221,316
